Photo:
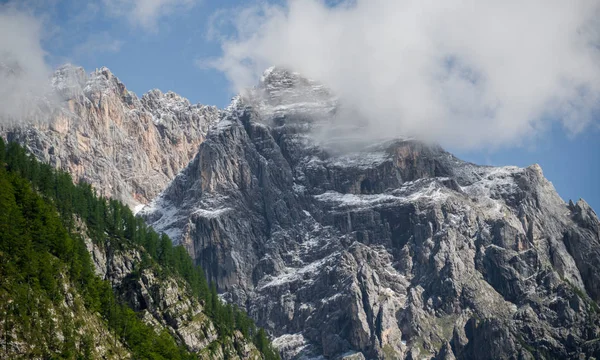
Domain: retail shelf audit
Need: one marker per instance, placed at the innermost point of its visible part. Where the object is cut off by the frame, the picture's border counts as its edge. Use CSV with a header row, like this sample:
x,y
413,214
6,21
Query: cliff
x,y
127,147
353,248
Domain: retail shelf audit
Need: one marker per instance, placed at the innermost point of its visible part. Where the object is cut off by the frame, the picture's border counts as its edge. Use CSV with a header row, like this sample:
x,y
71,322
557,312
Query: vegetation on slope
x,y
39,245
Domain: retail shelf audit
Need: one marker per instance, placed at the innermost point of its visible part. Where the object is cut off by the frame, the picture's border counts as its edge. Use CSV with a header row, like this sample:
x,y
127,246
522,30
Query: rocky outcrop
x,y
347,248
164,302
126,147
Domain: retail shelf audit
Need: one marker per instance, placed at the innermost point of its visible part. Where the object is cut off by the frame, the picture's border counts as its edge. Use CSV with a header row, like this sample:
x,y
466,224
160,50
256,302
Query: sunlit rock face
x,y
127,147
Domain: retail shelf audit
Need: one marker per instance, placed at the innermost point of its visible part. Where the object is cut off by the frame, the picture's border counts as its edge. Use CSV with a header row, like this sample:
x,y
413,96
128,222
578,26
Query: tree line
x,y
40,208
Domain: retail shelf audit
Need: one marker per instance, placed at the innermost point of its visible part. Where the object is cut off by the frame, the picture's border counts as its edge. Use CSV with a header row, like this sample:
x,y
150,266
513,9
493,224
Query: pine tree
x,y
38,206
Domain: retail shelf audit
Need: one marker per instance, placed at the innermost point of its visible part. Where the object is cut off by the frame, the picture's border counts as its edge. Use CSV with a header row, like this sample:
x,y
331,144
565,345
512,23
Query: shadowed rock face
x,y
394,249
126,147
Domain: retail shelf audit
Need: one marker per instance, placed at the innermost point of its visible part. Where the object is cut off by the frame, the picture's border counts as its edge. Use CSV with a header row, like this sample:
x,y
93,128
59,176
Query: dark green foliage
x,y
35,251
262,343
38,211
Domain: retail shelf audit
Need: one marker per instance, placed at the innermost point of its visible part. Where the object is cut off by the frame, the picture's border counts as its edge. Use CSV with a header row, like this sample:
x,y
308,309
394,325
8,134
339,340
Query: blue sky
x,y
163,56
162,47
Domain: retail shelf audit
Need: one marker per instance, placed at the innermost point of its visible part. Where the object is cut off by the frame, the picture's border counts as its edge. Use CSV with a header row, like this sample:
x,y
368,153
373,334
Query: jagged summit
x,y
73,81
276,75
285,97
384,249
279,78
100,132
281,91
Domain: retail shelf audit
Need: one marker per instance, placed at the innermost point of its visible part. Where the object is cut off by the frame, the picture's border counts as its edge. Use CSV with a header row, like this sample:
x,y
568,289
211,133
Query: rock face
x,y
126,147
389,250
165,302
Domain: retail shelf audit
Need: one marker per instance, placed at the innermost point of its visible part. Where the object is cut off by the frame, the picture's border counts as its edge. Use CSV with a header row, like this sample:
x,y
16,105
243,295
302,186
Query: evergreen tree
x,y
39,207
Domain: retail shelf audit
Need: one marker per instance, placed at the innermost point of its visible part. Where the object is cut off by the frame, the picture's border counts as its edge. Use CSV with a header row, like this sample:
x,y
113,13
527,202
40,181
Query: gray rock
x,y
394,249
166,303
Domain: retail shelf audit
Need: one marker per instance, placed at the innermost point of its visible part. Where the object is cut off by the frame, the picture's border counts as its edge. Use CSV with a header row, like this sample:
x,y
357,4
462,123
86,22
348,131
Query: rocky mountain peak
x,y
280,86
286,97
102,82
104,134
281,78
106,74
381,249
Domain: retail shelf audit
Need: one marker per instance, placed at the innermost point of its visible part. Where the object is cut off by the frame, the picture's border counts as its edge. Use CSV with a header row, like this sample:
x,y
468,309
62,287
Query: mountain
x,y
82,278
346,247
127,147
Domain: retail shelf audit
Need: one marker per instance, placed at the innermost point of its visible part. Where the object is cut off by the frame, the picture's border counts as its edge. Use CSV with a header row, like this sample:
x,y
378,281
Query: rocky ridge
x,y
396,249
127,147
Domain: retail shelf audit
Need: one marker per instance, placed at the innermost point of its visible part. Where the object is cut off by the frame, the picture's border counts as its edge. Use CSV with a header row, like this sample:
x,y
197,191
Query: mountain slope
x,y
342,247
136,296
94,128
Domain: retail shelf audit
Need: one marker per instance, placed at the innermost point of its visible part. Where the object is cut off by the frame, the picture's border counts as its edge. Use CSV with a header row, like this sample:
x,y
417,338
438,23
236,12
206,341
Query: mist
x,y
466,74
24,73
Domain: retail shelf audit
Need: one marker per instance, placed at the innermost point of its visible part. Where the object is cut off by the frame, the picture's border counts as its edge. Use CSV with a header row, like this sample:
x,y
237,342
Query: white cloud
x,y
467,73
24,74
146,13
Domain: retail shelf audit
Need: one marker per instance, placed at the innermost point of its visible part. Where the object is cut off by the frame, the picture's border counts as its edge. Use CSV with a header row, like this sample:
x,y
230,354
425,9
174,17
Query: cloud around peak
x,y
465,73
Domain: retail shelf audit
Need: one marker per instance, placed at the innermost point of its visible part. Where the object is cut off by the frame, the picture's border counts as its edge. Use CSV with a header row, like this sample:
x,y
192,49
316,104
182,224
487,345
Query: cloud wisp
x,y
466,73
24,74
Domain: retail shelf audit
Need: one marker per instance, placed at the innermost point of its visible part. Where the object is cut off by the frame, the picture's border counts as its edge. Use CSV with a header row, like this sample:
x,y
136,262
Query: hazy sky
x,y
497,82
